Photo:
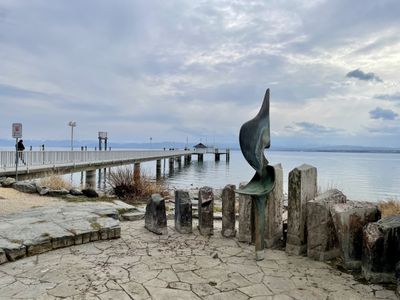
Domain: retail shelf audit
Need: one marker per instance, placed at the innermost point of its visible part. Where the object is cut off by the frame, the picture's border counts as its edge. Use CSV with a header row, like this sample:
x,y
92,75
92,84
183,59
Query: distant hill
x,y
91,144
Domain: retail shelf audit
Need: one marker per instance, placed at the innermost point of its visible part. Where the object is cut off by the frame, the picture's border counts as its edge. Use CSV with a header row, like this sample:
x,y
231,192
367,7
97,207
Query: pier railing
x,y
40,158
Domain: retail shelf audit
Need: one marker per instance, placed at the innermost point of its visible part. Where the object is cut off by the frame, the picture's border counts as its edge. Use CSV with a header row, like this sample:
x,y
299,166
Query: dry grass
x,y
129,188
55,182
389,208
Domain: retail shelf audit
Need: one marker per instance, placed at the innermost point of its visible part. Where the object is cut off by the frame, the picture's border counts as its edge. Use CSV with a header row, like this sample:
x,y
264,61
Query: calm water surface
x,y
361,176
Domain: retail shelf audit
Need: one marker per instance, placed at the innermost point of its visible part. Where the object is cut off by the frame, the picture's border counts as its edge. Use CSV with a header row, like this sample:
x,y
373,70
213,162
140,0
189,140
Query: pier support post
x,y
200,157
228,211
302,188
136,171
158,168
273,213
179,161
171,164
228,155
217,156
90,180
187,159
206,211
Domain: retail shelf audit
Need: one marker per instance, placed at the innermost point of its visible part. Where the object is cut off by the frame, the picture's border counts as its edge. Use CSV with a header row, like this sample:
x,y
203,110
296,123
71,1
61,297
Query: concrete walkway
x,y
142,265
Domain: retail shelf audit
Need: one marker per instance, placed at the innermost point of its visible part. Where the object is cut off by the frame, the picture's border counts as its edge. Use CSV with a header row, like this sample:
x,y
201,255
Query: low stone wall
x,y
43,229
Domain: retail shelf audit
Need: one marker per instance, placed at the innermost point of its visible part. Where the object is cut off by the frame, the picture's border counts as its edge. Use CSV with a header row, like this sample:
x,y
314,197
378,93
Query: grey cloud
x,y
384,130
389,97
127,65
16,92
384,114
359,74
312,128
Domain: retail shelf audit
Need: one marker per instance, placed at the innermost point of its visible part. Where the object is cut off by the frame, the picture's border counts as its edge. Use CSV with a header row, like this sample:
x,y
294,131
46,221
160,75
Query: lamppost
x,y
72,124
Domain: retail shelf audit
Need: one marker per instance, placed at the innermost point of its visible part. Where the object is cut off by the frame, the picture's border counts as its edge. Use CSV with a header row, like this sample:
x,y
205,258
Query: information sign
x,y
17,130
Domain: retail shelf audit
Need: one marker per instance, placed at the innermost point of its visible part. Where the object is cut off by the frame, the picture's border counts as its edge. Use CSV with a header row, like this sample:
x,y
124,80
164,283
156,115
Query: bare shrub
x,y
55,182
389,208
126,186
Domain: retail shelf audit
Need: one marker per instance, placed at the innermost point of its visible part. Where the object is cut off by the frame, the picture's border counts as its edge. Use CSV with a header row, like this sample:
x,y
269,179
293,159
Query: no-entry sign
x,y
17,130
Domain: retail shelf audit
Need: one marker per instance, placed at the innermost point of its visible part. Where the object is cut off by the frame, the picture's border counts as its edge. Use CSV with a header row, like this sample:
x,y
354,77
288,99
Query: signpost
x,y
103,136
17,134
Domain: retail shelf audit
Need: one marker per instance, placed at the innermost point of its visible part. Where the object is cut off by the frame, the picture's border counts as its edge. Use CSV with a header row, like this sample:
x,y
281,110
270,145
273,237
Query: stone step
x,y
42,229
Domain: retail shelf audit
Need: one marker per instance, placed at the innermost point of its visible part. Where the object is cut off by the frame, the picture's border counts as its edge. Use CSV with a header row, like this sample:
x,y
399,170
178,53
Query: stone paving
x,y
143,265
42,229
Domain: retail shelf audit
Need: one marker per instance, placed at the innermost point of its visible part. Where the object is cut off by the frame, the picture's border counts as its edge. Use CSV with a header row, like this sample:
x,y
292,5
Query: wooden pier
x,y
36,164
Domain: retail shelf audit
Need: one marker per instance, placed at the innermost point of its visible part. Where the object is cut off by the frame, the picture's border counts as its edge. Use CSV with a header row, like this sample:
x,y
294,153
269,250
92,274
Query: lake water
x,y
361,176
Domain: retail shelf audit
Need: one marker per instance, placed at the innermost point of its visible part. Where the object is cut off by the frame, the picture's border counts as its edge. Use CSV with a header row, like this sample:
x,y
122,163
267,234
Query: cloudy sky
x,y
199,69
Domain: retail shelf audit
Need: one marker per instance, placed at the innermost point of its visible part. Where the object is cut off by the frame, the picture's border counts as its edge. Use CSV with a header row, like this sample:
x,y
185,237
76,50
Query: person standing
x,y
20,149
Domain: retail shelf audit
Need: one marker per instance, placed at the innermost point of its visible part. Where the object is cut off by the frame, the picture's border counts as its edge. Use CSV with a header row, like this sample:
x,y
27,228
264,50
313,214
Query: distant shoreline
x,y
339,151
118,147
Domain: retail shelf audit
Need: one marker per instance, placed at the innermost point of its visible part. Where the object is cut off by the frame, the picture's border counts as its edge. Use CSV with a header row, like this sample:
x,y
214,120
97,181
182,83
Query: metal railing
x,y
29,159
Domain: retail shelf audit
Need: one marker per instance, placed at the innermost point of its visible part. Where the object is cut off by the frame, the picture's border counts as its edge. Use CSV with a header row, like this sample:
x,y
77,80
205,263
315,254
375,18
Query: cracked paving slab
x,y
142,265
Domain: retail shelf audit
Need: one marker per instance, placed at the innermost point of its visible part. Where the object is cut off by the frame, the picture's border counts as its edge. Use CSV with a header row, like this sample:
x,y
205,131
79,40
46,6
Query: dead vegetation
x,y
124,184
389,208
55,182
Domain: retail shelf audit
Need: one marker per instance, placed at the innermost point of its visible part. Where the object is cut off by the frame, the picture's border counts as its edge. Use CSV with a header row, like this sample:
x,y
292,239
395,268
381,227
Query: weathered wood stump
x,y
206,211
183,212
155,217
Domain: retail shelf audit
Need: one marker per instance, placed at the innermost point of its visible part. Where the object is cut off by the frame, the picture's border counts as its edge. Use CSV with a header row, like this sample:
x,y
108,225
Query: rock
x,y
13,251
2,180
3,257
75,192
183,212
25,187
133,216
156,218
381,250
42,190
124,207
206,211
246,217
228,211
274,209
302,188
349,219
90,193
322,240
397,275
8,182
57,193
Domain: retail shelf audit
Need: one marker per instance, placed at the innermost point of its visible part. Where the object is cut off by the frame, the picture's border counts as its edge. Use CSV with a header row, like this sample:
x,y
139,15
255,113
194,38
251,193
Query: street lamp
x,y
72,124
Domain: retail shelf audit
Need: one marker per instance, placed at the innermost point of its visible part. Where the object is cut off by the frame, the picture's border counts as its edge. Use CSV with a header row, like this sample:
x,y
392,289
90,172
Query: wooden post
x,y
158,168
90,180
136,171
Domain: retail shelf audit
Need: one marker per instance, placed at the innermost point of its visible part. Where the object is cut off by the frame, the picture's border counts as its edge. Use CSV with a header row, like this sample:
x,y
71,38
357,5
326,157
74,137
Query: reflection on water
x,y
361,176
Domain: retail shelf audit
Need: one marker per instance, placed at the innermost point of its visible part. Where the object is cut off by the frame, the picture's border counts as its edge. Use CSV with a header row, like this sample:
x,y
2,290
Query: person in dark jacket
x,y
20,149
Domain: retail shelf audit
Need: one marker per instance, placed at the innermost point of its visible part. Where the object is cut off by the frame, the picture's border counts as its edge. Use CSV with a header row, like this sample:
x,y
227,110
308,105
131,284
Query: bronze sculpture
x,y
254,137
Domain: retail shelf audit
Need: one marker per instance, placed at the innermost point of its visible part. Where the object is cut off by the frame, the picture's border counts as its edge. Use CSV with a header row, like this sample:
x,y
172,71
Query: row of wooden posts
x,y
156,220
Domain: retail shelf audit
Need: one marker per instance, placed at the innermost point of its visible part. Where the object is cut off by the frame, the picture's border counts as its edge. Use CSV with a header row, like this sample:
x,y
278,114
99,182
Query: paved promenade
x,y
142,265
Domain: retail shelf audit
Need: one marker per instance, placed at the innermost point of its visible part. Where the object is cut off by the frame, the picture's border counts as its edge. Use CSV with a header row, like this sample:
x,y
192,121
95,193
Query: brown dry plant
x,y
55,182
127,186
389,208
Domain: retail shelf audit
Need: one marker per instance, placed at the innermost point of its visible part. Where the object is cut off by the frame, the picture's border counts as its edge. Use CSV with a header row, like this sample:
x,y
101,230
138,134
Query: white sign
x,y
17,130
102,134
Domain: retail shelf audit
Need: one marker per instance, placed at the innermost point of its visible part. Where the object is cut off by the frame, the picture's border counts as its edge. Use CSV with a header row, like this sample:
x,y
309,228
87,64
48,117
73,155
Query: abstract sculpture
x,y
254,137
